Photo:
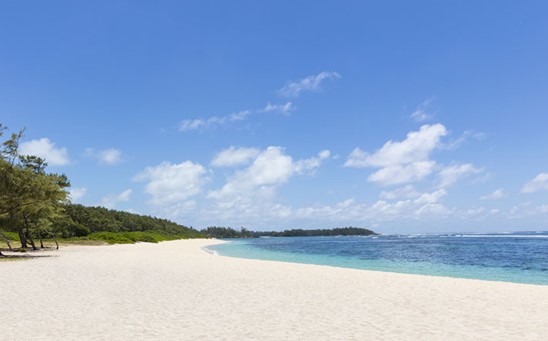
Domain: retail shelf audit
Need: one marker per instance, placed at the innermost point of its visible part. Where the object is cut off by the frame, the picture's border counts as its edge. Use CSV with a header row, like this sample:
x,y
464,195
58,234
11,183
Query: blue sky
x,y
421,116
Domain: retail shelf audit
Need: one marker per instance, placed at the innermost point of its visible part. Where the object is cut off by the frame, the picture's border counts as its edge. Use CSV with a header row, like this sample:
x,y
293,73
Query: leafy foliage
x,y
133,237
228,232
80,221
35,205
29,197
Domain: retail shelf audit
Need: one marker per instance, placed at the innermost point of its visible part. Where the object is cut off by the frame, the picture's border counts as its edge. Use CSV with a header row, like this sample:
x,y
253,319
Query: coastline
x,y
177,290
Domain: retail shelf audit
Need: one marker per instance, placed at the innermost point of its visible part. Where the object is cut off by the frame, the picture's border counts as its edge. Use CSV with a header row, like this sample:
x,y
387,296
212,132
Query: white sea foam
x,y
213,252
502,236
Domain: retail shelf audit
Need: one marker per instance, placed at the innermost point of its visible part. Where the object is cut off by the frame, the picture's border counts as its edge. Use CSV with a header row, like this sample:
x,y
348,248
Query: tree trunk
x,y
41,242
56,243
22,237
19,231
29,237
31,242
5,239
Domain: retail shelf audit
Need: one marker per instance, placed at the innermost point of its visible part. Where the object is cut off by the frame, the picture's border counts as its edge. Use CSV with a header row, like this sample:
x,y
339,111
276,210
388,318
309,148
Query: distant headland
x,y
228,232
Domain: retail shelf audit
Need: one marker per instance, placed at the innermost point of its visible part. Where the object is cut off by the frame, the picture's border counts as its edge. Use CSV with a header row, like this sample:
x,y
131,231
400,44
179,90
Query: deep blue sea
x,y
512,257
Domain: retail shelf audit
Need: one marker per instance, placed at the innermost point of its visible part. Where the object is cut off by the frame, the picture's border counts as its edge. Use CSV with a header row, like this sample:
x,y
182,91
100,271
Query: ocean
x,y
510,257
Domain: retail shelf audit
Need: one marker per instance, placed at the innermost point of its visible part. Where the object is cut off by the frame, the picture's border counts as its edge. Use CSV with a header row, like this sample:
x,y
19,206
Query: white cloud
x,y
218,121
425,206
279,108
45,149
421,114
430,198
495,195
270,168
401,161
539,183
249,192
199,123
77,193
234,156
416,147
520,210
310,83
312,163
527,209
401,174
172,184
451,174
407,192
111,200
109,156
248,197
473,213
467,135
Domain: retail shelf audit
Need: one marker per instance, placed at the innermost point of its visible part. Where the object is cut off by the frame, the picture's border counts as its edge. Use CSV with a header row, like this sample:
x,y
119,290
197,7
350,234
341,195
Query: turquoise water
x,y
519,258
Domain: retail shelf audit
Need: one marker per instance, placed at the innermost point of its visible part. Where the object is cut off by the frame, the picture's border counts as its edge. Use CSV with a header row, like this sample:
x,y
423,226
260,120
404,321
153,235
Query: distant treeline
x,y
228,232
80,221
35,206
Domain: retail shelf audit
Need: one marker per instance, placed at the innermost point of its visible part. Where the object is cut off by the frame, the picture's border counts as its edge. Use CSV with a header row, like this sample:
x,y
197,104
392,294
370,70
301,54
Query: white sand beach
x,y
177,291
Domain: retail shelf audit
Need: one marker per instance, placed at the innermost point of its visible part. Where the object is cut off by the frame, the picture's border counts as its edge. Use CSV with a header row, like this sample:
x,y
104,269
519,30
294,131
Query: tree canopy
x,y
36,204
228,232
29,196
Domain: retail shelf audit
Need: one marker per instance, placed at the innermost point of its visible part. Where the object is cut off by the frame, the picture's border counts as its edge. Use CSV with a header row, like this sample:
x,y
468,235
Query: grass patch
x,y
101,238
132,237
12,236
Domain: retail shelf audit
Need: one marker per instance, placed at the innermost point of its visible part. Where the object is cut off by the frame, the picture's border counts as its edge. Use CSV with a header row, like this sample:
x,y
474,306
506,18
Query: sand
x,y
177,291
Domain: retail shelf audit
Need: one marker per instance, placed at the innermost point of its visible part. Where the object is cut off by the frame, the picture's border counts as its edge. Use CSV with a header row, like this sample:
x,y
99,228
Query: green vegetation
x,y
133,237
82,221
228,232
29,197
35,206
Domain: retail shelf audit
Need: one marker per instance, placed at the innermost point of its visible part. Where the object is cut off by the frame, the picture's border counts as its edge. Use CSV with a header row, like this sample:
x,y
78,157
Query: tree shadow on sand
x,y
25,254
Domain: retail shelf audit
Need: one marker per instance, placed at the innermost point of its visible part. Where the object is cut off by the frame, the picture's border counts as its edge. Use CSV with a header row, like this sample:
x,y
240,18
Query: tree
x,y
29,197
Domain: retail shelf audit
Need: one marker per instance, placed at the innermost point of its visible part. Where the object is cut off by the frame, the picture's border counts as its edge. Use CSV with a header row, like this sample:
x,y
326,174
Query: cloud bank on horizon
x,y
249,195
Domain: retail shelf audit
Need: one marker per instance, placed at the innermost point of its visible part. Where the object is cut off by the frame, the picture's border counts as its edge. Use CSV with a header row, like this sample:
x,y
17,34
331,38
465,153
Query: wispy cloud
x,y
407,192
108,156
451,174
47,150
310,83
466,136
77,193
111,200
495,195
539,183
234,156
218,121
292,89
422,113
278,108
423,206
213,121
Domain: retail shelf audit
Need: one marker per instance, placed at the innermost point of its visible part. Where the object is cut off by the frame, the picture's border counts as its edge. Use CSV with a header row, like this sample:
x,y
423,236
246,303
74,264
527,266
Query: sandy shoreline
x,y
177,291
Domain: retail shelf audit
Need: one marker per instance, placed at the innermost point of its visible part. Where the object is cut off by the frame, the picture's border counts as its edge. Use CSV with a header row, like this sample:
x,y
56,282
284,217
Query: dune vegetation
x,y
35,208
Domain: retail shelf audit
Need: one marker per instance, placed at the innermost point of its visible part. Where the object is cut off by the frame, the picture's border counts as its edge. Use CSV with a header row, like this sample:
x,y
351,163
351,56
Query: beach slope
x,y
177,291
